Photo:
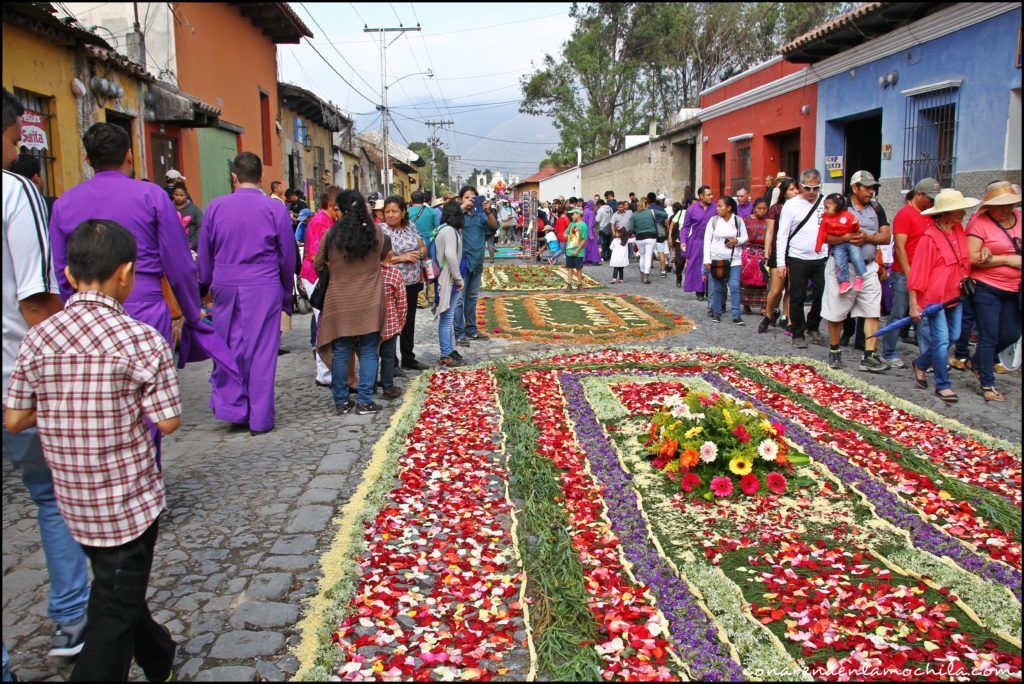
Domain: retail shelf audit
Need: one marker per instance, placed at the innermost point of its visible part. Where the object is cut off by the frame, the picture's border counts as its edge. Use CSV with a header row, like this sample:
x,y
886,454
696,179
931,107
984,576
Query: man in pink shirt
x,y
907,227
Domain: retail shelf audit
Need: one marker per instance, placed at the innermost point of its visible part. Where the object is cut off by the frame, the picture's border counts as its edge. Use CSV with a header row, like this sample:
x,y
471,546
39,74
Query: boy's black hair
x,y
106,146
97,248
26,165
12,108
248,167
465,188
416,197
838,199
451,213
385,246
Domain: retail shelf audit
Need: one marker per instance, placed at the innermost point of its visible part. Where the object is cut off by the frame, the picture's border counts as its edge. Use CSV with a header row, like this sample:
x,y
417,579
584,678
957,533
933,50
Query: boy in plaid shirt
x,y
87,377
394,319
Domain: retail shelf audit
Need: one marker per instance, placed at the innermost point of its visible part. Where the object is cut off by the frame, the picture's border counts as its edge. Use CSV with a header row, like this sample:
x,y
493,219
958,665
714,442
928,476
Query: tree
x,y
428,174
626,64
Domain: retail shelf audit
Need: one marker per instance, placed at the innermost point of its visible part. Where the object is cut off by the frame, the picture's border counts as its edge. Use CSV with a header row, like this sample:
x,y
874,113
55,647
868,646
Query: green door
x,y
217,148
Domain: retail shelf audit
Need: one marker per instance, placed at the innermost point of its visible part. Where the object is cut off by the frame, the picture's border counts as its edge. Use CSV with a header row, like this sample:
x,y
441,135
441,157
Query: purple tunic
x,y
163,250
247,258
592,248
694,222
745,210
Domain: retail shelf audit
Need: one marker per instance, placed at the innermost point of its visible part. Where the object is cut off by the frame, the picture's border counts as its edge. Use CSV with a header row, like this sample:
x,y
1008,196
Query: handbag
x,y
720,267
751,271
316,298
660,227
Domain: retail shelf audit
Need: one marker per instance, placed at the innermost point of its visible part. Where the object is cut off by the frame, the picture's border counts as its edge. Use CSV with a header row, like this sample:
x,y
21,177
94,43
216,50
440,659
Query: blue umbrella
x,y
928,312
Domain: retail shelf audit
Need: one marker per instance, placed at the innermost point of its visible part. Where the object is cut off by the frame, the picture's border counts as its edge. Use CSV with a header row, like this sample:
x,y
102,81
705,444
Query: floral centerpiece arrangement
x,y
715,447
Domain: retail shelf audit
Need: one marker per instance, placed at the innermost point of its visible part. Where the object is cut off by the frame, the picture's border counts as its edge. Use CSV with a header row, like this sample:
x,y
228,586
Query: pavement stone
x,y
264,615
242,511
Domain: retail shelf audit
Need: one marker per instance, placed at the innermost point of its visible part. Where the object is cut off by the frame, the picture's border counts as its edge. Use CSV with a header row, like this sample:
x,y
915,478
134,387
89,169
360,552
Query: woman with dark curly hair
x,y
353,313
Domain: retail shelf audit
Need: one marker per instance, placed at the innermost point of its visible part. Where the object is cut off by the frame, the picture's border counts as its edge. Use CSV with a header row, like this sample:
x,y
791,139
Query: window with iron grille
x,y
929,146
319,168
739,165
38,110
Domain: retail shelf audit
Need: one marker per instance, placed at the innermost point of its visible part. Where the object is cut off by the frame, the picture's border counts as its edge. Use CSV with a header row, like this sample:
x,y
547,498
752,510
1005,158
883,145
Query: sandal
x,y
922,383
970,366
948,398
990,393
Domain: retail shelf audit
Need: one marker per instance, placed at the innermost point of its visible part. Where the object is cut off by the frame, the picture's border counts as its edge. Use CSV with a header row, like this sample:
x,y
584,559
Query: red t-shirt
x,y
910,222
941,262
561,225
842,223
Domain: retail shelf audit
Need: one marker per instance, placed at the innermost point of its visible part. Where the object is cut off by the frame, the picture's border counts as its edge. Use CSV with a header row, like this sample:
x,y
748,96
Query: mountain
x,y
509,153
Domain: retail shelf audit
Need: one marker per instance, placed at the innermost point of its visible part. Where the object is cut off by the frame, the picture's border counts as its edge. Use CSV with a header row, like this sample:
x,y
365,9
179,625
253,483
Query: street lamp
x,y
429,73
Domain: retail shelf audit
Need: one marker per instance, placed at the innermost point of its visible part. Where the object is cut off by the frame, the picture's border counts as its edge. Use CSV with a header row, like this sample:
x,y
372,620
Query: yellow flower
x,y
741,465
694,431
728,417
767,427
672,466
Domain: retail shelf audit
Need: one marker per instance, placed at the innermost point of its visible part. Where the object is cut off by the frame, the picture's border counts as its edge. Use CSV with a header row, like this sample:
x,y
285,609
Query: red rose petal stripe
x,y
959,455
621,608
438,596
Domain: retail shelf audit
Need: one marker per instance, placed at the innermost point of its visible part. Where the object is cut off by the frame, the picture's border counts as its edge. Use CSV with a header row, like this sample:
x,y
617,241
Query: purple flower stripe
x,y
693,631
887,504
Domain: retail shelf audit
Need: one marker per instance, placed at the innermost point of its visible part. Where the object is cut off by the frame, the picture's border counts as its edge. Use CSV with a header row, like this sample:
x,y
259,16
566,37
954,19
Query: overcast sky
x,y
477,52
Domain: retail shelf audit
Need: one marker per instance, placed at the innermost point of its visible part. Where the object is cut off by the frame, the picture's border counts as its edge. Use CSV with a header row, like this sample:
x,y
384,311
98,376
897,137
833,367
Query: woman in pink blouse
x,y
328,214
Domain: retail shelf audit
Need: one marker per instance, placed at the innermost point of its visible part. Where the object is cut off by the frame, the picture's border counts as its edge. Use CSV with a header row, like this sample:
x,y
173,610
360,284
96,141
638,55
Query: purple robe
x,y
163,250
745,210
694,222
247,258
592,248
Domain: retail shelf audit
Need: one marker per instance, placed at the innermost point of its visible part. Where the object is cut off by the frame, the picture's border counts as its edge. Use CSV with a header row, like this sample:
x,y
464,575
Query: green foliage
x,y
626,64
428,172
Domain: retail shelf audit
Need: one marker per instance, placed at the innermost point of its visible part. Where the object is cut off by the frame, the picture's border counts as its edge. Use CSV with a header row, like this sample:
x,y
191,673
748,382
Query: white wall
x,y
567,183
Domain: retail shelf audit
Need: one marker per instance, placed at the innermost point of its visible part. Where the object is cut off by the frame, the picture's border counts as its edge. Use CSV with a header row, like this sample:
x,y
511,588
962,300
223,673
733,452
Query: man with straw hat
x,y
940,274
994,244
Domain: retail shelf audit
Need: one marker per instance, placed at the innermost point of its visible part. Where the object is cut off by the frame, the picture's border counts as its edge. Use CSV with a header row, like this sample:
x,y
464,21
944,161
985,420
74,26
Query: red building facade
x,y
756,124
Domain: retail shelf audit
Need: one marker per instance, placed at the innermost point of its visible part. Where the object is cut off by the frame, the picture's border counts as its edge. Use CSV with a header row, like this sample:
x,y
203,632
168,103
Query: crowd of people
x,y
103,283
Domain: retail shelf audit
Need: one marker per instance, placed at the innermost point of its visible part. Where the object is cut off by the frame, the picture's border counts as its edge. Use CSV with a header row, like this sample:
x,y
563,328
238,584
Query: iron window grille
x,y
929,145
739,165
41,105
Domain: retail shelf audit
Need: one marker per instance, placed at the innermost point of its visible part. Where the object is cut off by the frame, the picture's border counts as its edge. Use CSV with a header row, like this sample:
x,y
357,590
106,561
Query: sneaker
x,y
479,337
664,274
451,361
345,408
68,639
873,363
716,318
613,281
835,359
710,313
456,355
858,284
895,363
368,409
463,342
799,343
845,287
815,337
762,327
738,321
393,393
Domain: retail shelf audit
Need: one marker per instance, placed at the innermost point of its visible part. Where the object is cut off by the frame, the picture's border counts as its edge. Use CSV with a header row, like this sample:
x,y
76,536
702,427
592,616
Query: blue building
x,y
910,90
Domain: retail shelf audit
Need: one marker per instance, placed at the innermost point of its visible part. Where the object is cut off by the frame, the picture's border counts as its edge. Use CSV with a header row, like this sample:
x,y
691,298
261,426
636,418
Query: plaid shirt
x,y
92,373
394,299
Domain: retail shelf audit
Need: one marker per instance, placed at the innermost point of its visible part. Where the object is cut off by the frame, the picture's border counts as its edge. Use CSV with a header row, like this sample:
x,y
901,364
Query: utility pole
x,y
433,140
451,170
383,33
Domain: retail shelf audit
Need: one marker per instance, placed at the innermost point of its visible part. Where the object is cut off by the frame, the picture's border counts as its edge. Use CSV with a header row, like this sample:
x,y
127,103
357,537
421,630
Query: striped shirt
x,y
92,373
27,262
394,301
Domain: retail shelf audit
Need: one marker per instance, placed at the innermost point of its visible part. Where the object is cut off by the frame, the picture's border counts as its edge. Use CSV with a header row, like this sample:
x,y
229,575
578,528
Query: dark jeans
x,y
963,343
120,625
606,246
800,271
619,273
998,319
408,335
387,362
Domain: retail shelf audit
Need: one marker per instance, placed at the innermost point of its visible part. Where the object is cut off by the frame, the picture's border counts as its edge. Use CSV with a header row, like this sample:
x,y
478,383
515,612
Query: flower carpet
x,y
516,278
578,318
652,516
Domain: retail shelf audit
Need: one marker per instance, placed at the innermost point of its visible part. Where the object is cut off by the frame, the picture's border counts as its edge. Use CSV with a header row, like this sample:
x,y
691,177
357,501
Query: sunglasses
x,y
811,188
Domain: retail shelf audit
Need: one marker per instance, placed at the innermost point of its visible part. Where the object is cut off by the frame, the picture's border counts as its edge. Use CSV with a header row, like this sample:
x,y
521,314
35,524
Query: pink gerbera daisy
x,y
721,486
750,483
690,482
776,482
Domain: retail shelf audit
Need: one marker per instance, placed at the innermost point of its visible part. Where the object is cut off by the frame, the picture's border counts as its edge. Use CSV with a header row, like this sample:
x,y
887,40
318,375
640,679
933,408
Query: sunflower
x,y
741,465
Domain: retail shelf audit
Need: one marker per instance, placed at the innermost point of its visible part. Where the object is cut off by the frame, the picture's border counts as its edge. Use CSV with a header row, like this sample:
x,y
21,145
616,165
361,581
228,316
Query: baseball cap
x,y
864,178
174,174
928,186
305,214
379,204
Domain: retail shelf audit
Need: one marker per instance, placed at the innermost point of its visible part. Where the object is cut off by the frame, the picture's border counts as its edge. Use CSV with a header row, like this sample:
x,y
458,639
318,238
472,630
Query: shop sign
x,y
887,151
33,131
834,165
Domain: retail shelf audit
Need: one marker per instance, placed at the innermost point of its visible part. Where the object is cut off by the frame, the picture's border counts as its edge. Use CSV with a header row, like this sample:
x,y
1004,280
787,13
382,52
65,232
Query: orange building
x,y
226,55
756,124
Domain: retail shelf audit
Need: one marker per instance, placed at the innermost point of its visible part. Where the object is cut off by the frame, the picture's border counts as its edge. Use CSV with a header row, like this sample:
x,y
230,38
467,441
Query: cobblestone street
x,y
248,517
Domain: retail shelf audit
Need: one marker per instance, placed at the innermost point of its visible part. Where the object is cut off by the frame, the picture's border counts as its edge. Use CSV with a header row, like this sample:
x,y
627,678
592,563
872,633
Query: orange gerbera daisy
x,y
689,458
669,447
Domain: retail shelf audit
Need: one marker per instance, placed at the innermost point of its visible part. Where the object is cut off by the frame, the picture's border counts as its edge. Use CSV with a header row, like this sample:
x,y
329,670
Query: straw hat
x,y
950,200
1000,193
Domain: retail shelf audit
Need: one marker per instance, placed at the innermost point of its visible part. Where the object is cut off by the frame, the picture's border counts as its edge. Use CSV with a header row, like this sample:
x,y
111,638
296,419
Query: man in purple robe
x,y
694,222
247,258
744,203
592,247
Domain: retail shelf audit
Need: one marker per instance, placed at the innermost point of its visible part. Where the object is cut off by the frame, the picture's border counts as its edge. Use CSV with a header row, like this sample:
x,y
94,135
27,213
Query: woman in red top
x,y
328,214
994,241
941,262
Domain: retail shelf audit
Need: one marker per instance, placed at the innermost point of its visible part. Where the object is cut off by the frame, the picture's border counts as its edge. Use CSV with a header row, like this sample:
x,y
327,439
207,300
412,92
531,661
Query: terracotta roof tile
x,y
818,32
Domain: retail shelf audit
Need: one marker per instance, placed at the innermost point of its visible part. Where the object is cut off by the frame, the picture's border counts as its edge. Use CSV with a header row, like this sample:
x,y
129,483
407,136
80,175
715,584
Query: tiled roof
x,y
544,173
829,27
115,58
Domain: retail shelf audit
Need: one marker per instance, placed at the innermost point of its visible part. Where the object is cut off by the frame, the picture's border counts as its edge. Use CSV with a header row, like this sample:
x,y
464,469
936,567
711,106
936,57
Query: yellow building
x,y
68,79
308,128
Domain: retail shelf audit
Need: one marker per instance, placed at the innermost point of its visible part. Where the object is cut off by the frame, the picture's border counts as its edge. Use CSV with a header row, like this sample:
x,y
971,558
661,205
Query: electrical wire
x,y
475,28
356,71
356,90
483,137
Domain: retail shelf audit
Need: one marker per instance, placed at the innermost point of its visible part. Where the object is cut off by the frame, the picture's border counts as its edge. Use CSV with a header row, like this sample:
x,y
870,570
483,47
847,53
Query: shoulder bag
x,y
720,267
323,280
660,227
803,223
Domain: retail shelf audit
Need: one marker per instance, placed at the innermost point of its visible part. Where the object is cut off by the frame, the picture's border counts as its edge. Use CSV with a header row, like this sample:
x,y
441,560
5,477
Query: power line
x,y
357,91
399,130
453,142
360,17
483,137
476,28
317,23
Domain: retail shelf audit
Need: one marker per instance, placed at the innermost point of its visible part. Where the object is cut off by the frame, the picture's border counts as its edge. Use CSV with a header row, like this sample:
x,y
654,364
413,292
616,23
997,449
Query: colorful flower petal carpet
x,y
518,278
578,318
642,515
